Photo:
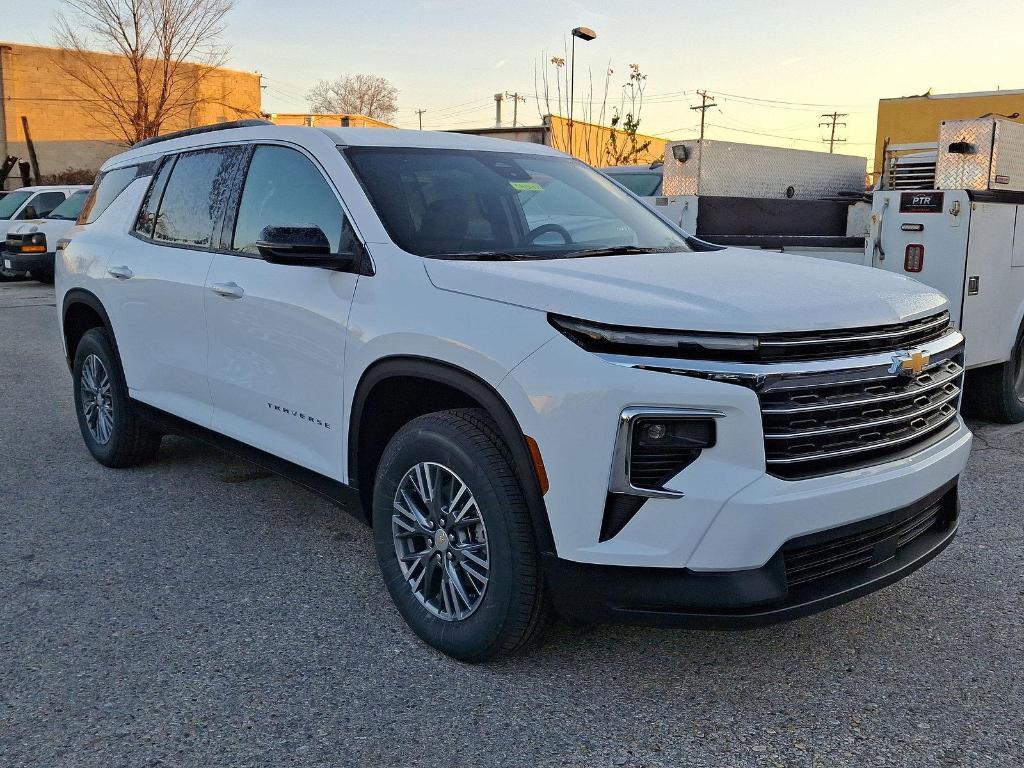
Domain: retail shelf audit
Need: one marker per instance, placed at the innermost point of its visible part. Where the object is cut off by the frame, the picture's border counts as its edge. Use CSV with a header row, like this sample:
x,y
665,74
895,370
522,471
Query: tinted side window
x,y
147,213
196,196
106,190
41,205
283,188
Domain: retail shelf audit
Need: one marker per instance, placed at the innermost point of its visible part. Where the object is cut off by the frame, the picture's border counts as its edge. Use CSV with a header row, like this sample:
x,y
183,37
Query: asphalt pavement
x,y
201,612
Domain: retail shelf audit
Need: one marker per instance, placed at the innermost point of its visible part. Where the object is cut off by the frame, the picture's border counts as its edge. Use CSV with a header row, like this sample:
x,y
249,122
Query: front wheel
x,y
996,393
454,539
43,275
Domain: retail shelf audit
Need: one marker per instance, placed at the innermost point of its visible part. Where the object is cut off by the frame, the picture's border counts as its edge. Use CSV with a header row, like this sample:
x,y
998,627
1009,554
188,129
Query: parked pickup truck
x,y
536,390
31,245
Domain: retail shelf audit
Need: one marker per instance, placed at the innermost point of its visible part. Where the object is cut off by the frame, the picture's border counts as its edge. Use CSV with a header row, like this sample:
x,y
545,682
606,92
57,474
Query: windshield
x,y
9,204
643,184
455,204
71,207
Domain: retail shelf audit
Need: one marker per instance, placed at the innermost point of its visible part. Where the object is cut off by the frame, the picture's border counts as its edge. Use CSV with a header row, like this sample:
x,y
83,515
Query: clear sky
x,y
450,57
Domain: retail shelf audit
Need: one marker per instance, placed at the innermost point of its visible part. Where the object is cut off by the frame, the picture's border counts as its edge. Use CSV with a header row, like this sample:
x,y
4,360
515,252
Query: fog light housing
x,y
655,444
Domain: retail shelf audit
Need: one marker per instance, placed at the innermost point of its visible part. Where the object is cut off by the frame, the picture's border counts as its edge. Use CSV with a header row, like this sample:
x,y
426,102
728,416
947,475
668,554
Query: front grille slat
x,y
807,563
821,422
848,343
947,397
951,372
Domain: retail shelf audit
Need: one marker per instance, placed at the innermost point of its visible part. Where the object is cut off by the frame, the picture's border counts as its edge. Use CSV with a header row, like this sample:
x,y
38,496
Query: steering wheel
x,y
544,229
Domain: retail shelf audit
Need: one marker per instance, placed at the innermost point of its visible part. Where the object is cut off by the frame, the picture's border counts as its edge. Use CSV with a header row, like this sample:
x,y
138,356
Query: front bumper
x,y
26,262
806,575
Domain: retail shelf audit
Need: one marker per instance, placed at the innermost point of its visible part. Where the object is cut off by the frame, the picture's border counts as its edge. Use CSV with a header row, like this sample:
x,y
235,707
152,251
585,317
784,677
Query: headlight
x,y
597,337
35,243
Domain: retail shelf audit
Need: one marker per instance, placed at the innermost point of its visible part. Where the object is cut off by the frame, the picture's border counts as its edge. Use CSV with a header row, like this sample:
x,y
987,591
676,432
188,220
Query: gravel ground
x,y
201,612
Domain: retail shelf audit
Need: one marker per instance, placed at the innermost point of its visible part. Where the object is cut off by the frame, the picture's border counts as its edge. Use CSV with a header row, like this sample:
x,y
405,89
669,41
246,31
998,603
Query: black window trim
x,y
226,231
172,157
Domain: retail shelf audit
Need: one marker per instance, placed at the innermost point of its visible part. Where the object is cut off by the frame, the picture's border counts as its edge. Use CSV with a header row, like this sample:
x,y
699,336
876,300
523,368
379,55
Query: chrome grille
x,y
857,341
823,423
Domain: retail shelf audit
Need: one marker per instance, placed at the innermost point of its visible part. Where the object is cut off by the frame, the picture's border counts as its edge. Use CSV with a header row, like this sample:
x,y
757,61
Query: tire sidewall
x,y
480,634
97,342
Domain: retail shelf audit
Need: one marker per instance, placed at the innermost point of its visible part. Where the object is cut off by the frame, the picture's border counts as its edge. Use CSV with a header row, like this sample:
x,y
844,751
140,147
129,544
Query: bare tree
x,y
162,51
370,95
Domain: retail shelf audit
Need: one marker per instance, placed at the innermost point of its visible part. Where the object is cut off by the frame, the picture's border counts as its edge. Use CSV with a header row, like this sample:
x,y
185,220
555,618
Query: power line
x,y
791,103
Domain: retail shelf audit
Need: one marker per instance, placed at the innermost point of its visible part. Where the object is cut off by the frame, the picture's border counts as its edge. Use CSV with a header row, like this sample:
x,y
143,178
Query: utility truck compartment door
x,y
992,288
937,220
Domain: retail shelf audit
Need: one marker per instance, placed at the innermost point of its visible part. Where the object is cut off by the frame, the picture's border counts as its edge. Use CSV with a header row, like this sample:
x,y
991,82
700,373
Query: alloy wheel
x,y
441,541
97,400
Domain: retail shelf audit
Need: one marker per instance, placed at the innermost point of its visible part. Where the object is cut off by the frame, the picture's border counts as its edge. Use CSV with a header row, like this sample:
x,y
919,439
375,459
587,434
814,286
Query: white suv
x,y
539,393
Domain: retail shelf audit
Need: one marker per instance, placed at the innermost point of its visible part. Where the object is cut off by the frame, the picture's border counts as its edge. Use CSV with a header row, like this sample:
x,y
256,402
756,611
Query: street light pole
x,y
585,34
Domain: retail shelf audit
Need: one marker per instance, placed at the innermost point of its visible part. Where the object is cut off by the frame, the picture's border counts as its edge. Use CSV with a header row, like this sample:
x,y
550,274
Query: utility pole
x,y
832,123
706,103
516,98
498,98
419,114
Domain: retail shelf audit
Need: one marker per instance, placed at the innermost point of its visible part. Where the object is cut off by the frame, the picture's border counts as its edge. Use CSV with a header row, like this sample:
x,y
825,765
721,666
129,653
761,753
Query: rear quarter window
x,y
108,187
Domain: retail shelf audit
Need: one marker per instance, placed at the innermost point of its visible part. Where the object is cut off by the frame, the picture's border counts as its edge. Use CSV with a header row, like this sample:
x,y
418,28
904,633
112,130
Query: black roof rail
x,y
202,129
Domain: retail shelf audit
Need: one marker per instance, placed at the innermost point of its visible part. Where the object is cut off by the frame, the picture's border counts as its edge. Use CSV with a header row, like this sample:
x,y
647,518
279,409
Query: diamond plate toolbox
x,y
982,154
748,170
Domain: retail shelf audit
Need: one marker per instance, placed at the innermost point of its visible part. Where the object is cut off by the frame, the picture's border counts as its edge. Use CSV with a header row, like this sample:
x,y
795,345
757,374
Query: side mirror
x,y
304,246
680,152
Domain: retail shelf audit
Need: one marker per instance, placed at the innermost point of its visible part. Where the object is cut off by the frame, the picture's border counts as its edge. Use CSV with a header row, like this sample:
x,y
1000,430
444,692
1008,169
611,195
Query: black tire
x,y
513,608
130,441
996,392
43,276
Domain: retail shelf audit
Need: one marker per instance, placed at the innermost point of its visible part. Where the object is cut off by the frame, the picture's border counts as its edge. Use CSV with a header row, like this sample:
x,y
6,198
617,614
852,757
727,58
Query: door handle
x,y
121,273
228,290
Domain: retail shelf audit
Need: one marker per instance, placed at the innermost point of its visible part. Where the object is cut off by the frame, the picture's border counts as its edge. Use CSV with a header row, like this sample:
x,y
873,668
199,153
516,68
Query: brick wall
x,y
67,133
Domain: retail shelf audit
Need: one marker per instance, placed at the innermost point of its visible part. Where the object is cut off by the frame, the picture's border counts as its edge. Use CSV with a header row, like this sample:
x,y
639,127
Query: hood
x,y
731,290
46,226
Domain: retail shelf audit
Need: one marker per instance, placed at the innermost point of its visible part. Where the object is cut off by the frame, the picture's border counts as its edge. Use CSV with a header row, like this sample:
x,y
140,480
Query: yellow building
x,y
915,119
326,120
35,86
590,142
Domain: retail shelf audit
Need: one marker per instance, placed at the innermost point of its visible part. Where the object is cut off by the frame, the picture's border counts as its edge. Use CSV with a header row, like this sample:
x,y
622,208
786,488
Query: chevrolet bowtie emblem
x,y
909,364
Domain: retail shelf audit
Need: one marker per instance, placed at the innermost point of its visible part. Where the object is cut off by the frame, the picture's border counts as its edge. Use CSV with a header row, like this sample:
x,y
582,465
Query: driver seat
x,y
444,225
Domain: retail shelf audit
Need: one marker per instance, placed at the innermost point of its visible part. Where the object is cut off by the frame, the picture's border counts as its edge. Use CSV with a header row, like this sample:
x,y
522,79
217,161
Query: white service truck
x,y
949,216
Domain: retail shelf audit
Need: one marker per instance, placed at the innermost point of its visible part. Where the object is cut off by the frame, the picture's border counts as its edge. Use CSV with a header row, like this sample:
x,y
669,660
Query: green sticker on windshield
x,y
526,186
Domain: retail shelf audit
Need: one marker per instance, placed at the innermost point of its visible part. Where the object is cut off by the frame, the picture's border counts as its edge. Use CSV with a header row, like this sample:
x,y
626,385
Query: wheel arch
x,y
433,385
80,311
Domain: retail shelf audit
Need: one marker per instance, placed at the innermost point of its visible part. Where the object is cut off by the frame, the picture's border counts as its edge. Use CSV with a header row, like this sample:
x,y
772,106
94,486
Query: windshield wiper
x,y
480,256
617,250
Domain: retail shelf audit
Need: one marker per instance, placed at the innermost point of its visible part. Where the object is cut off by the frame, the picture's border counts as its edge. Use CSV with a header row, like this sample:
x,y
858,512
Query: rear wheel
x,y
113,433
996,393
454,539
